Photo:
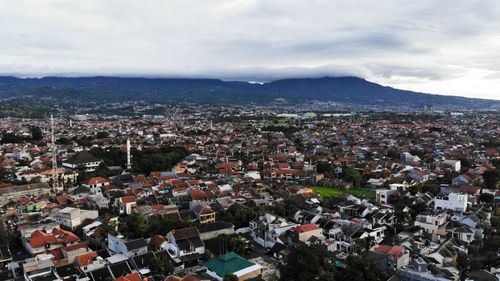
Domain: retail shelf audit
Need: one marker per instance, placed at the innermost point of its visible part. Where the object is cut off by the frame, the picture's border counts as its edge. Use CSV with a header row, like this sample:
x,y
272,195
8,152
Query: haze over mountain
x,y
346,90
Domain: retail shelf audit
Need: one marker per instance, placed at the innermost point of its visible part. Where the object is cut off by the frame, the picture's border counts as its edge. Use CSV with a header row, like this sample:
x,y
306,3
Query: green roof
x,y
228,263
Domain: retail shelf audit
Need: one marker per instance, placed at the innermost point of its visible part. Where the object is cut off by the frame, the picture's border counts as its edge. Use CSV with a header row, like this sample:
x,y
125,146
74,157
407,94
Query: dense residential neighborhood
x,y
251,193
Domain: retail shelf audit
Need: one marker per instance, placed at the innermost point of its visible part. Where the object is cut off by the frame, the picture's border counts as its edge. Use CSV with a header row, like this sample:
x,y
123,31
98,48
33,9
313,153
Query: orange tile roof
x,y
305,228
86,259
96,180
131,277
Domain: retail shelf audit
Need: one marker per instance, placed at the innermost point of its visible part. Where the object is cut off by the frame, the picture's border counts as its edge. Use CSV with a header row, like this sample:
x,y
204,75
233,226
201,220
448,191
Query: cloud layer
x,y
446,47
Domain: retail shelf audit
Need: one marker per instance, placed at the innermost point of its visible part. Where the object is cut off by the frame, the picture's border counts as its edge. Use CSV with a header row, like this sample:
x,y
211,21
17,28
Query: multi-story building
x,y
73,217
431,223
454,201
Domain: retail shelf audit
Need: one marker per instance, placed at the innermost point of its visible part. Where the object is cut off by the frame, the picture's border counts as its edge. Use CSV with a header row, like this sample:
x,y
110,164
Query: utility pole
x,y
55,183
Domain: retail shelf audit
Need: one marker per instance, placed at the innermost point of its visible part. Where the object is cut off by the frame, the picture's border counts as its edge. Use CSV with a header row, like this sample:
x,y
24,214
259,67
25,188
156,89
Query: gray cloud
x,y
447,47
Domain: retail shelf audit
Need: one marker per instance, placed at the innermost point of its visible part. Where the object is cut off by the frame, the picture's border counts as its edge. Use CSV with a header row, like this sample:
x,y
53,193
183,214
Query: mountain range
x,y
343,90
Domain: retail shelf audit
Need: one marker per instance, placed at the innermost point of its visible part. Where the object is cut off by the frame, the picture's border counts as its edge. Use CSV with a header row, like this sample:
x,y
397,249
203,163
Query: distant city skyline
x,y
446,47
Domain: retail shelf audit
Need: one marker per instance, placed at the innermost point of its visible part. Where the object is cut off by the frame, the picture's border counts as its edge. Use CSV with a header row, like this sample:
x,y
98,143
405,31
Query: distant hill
x,y
346,90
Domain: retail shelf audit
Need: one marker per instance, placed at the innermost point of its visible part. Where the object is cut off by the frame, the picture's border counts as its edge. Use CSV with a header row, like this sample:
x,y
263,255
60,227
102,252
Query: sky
x,y
449,47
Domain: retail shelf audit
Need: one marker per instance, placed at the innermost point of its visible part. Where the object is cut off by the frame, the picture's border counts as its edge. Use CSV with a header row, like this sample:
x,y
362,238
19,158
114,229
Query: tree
x,y
431,187
11,138
237,245
486,197
238,215
352,175
63,141
230,277
366,243
164,224
363,267
207,254
133,226
332,201
463,261
491,177
5,175
495,222
102,135
161,266
107,228
36,134
324,167
414,189
308,263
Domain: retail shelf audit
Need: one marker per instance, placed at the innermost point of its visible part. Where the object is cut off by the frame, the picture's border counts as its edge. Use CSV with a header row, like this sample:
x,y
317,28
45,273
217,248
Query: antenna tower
x,y
129,164
55,183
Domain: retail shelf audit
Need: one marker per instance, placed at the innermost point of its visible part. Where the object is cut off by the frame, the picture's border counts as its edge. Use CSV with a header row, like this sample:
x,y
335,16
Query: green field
x,y
327,191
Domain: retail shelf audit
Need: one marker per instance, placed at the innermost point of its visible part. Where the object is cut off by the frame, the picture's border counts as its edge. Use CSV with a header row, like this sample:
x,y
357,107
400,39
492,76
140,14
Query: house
x,y
384,195
125,204
41,241
203,212
235,264
142,262
464,179
418,175
455,202
453,164
408,158
344,237
213,229
27,230
392,258
40,267
90,262
71,252
131,277
73,217
267,228
21,191
96,182
463,233
431,223
418,269
187,244
303,233
384,218
129,248
68,272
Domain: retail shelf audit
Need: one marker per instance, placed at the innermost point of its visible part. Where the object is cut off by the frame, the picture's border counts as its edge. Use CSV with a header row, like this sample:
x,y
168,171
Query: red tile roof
x,y
390,250
305,228
197,194
127,199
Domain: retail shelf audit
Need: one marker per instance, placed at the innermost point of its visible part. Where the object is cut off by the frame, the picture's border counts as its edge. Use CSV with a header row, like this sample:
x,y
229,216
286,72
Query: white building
x,y
73,217
455,202
431,223
383,195
453,164
83,159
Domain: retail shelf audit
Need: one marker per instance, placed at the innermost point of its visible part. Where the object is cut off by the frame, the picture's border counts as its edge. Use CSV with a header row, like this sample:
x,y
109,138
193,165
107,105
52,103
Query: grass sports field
x,y
327,191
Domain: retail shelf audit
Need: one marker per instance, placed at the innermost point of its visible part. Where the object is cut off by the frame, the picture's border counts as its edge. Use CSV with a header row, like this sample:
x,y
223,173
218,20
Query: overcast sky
x,y
442,46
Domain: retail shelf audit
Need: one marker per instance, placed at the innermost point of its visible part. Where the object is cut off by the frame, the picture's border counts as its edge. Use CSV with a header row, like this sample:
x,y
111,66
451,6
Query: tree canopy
x,y
308,263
